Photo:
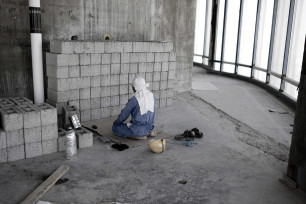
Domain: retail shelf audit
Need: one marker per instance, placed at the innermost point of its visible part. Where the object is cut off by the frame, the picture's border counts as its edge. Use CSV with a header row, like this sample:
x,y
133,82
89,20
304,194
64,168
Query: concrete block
x,y
125,58
48,113
85,82
95,81
162,102
131,90
133,68
105,91
15,153
95,58
95,114
115,110
11,118
124,89
73,94
89,47
172,57
165,66
142,67
124,68
155,47
56,59
170,93
115,100
58,84
69,111
84,138
172,66
115,58
49,132
106,58
157,67
170,84
127,47
85,115
157,103
163,94
21,101
150,57
73,59
169,101
95,103
85,104
99,47
3,155
149,77
171,75
57,72
14,138
158,57
156,94
124,79
105,112
106,80
105,69
131,77
156,76
114,90
61,139
134,57
163,76
75,103
168,47
57,46
31,116
150,67
2,139
57,96
111,47
95,70
33,149
115,69
74,71
95,92
85,59
163,85
155,85
142,57
49,146
85,70
58,106
124,99
141,46
78,47
114,80
6,103
74,83
142,74
85,93
105,102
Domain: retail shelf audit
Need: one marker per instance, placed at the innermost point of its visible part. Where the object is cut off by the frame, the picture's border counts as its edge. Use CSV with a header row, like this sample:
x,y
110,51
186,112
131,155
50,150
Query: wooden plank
x,y
46,185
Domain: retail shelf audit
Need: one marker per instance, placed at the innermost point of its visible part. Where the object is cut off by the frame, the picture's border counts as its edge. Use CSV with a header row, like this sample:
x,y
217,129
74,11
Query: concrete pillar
x,y
213,32
297,159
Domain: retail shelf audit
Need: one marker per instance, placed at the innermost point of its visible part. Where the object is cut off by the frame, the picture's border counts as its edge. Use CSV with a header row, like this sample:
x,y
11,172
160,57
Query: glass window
x,y
280,36
260,76
229,68
244,71
199,27
291,90
275,82
264,33
197,59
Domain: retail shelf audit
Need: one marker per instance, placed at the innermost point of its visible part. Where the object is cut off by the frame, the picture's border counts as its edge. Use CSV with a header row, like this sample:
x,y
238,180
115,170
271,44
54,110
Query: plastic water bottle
x,y
71,145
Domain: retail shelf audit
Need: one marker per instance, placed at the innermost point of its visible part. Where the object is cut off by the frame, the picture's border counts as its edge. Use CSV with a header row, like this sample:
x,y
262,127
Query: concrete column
x,y
213,31
297,159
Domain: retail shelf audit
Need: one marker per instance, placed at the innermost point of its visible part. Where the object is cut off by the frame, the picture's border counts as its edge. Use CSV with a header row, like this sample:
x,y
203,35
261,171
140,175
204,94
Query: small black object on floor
x,y
120,147
189,135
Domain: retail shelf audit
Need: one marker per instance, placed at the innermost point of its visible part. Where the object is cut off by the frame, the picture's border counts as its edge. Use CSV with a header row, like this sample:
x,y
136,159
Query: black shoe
x,y
197,132
186,136
120,147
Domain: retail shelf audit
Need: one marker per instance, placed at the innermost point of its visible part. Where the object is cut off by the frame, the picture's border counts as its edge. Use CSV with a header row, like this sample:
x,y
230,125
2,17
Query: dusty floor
x,y
239,160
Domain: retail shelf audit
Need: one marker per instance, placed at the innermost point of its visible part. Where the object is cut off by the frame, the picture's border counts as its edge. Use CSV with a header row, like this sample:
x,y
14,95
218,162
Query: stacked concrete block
x,y
86,74
84,138
27,130
61,139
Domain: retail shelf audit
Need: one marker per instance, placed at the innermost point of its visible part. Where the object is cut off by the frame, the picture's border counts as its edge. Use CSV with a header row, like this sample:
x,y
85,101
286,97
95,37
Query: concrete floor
x,y
239,160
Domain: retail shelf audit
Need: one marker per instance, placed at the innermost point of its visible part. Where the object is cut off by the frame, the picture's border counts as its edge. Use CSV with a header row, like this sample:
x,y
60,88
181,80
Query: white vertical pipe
x,y
36,50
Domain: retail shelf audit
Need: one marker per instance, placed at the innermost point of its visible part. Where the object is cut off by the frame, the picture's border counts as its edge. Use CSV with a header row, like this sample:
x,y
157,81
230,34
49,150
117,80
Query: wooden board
x,y
46,185
104,128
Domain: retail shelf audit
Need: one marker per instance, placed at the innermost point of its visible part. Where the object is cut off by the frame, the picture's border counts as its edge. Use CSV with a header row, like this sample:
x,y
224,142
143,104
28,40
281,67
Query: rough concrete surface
x,y
235,161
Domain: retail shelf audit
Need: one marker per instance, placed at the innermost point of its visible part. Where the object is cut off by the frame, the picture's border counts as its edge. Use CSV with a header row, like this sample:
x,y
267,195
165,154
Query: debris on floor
x,y
189,135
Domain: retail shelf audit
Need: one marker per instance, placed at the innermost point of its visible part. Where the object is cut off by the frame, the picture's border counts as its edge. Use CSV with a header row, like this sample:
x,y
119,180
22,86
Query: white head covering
x,y
144,97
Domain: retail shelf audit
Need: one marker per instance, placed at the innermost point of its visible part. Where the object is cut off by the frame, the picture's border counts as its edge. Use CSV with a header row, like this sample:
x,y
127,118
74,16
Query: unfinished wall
x,y
124,20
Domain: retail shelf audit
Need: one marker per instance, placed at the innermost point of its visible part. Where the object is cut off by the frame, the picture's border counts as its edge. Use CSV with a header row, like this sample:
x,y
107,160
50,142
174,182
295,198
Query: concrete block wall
x,y
26,130
96,76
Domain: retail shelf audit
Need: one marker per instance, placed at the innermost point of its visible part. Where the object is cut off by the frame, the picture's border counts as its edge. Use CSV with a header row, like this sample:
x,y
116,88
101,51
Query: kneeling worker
x,y
142,109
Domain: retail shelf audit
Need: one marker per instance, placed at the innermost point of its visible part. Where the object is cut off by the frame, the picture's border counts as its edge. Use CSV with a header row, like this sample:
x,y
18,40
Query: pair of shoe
x,y
120,147
189,135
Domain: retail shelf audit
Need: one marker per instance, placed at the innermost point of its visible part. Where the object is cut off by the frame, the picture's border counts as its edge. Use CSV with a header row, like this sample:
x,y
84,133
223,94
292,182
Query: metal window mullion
x,y
255,37
223,34
238,35
271,41
287,45
205,31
